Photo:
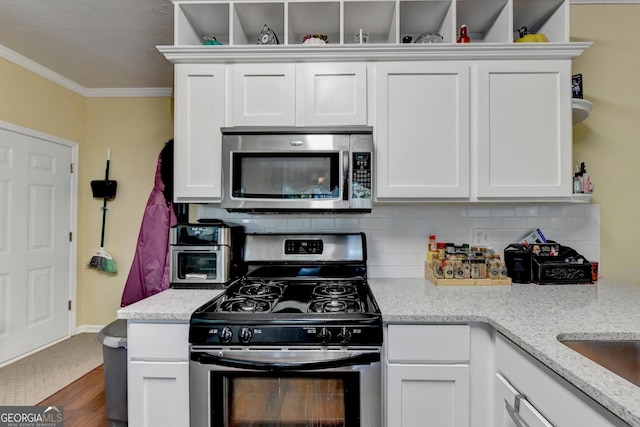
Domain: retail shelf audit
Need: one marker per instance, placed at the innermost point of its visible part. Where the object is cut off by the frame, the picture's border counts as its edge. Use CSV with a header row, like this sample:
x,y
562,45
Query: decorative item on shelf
x,y
210,41
464,36
362,36
576,86
315,39
429,38
581,181
267,36
526,37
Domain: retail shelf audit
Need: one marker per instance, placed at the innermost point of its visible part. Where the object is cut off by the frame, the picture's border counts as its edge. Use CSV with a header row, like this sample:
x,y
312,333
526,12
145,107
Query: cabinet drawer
x,y
558,400
428,343
158,341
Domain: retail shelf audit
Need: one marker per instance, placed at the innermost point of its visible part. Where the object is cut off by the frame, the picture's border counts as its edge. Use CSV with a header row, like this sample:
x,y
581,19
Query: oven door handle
x,y
356,359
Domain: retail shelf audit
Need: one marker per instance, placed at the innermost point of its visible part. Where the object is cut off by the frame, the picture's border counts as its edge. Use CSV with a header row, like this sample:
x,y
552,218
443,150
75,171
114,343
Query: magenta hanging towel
x,y
149,273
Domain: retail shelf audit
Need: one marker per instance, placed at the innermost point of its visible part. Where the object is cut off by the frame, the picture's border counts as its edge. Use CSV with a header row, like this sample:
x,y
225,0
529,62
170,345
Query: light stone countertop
x,y
171,305
531,316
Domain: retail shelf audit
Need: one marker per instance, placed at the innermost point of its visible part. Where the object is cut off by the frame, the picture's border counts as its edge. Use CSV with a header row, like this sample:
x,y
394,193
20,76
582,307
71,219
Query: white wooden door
x,y
35,249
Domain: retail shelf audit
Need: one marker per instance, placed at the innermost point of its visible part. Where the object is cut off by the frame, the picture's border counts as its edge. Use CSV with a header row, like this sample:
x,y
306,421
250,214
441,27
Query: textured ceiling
x,y
93,43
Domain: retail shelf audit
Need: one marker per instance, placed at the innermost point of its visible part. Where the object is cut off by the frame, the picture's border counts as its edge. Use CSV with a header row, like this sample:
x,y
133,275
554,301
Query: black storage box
x,y
569,267
546,264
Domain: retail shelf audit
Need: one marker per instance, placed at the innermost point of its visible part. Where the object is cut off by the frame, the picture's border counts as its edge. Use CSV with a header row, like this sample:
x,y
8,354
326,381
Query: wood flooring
x,y
82,401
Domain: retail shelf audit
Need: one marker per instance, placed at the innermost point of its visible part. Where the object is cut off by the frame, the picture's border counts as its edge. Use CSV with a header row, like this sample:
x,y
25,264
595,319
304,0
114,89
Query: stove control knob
x,y
226,335
324,335
245,335
344,336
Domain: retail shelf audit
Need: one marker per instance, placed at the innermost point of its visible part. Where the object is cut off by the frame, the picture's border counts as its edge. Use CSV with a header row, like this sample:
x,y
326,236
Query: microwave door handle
x,y
357,359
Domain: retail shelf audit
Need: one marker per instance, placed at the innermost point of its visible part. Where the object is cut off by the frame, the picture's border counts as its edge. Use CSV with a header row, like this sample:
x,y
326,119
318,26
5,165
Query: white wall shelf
x,y
581,109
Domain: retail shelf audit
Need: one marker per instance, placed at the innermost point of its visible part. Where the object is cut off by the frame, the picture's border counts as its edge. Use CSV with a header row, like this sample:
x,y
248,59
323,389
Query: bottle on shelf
x,y
432,249
586,181
464,36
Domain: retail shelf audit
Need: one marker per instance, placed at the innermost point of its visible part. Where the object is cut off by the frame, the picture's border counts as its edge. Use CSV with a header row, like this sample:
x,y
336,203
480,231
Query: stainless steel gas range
x,y
295,342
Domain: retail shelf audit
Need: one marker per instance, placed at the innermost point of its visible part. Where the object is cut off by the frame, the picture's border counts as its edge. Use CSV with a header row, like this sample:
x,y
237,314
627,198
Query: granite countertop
x,y
172,305
531,316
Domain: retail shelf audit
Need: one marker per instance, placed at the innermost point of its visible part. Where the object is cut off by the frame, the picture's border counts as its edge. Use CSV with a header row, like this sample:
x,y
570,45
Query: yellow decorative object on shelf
x,y
526,37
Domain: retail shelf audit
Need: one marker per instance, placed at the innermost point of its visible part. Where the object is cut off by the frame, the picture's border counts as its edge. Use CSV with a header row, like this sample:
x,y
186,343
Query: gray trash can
x,y
114,348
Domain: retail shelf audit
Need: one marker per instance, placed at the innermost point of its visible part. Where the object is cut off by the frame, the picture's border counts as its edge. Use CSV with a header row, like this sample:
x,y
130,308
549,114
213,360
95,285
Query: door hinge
x,y
71,236
69,305
71,168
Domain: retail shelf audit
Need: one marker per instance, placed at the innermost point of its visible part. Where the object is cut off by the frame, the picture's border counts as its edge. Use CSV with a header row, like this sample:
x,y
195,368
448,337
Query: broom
x,y
101,260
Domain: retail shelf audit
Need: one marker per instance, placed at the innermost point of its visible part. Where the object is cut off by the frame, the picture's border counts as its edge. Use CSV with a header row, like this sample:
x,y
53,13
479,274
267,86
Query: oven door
x,y
285,387
195,266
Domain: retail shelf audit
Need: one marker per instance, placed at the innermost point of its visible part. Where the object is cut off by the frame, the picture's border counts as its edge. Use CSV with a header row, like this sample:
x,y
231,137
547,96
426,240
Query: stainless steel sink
x,y
619,356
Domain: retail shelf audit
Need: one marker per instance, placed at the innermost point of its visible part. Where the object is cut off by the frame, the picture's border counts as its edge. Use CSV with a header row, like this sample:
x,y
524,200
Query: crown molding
x,y
56,78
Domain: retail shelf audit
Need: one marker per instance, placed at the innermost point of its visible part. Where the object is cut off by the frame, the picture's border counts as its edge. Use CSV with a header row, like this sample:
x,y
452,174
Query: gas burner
x,y
335,290
335,305
246,305
261,289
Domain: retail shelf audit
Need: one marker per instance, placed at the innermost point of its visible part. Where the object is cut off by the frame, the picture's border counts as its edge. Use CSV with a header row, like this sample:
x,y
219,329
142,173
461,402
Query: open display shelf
x,y
239,23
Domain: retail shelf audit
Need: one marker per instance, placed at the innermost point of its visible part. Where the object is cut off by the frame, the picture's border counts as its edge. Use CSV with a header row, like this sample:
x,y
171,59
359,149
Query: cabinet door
x,y
524,129
422,130
263,95
332,94
158,394
512,408
427,395
199,114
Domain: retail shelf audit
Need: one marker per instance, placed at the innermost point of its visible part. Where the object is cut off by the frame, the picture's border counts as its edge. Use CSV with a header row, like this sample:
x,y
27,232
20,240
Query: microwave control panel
x,y
362,177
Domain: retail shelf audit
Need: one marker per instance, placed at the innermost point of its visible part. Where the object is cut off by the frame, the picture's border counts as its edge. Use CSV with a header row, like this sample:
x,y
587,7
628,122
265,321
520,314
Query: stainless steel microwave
x,y
275,169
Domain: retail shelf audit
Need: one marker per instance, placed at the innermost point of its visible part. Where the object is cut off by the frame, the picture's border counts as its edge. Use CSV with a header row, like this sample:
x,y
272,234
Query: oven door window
x,y
194,265
286,176
285,400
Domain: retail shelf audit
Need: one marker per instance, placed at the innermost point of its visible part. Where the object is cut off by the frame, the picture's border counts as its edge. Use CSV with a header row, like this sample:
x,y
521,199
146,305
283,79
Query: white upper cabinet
x,y
422,130
332,94
263,94
486,121
199,114
524,130
287,94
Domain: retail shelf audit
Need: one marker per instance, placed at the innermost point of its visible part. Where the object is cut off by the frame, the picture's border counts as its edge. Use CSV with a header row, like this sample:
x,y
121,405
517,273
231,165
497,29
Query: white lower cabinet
x,y
427,376
158,374
548,399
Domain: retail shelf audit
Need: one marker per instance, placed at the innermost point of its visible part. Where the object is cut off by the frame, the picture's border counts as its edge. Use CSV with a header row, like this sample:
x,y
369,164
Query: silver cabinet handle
x,y
514,411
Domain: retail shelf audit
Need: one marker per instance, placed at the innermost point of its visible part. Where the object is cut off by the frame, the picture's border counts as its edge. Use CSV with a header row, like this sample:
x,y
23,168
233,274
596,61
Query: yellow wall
x,y
608,141
33,102
135,129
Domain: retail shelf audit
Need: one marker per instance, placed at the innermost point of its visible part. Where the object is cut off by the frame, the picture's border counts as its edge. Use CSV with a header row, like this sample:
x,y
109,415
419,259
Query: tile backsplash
x,y
397,235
